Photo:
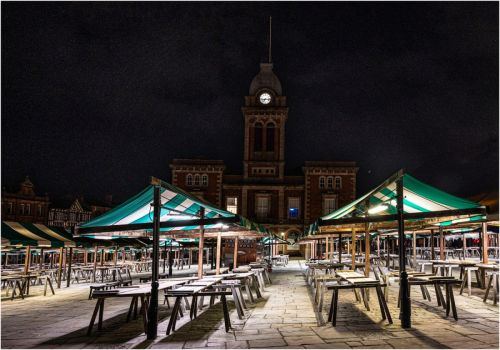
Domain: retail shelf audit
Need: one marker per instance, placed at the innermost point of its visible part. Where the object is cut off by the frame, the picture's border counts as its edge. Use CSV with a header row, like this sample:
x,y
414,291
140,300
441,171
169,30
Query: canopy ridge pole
x,y
153,302
200,244
405,311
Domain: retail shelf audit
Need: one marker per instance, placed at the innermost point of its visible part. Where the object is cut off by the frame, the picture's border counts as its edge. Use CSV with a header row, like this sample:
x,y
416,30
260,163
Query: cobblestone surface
x,y
285,318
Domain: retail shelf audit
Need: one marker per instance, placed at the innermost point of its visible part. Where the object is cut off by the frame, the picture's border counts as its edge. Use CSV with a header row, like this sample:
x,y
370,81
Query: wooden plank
x,y
367,250
441,243
95,263
414,243
59,270
353,249
406,216
27,260
485,242
217,261
235,257
200,245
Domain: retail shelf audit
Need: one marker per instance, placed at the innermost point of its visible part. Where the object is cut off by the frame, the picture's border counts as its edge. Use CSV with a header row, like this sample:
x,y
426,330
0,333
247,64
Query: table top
x,y
488,266
454,262
349,274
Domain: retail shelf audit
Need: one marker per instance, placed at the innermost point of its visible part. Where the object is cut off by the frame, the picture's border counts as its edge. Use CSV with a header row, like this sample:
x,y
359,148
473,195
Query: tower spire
x,y
270,36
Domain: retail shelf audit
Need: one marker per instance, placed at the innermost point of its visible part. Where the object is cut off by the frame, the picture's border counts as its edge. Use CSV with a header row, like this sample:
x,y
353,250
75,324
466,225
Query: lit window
x,y
262,206
329,182
293,207
321,182
329,205
197,179
232,204
338,182
21,209
28,209
189,180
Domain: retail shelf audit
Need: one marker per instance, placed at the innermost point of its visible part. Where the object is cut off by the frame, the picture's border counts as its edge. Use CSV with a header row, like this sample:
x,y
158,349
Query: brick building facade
x,y
264,193
25,205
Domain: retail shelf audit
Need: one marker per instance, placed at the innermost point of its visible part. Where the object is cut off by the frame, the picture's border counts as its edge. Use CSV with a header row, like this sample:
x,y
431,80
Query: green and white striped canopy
x,y
177,206
419,197
34,235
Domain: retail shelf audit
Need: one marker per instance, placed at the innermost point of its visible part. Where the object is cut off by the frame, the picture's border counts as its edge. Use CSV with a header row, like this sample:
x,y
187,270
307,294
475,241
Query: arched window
x,y
257,146
197,179
189,180
270,137
338,182
329,182
204,180
321,182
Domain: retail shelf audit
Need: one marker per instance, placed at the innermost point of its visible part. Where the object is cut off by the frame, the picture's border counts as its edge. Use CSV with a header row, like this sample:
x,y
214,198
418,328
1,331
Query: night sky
x,y
96,97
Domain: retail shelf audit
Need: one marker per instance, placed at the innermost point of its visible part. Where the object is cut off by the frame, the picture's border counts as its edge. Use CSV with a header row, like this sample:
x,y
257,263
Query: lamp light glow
x,y
377,209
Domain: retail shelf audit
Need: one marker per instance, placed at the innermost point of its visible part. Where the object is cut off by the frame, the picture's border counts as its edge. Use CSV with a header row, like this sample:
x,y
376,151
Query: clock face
x,y
265,98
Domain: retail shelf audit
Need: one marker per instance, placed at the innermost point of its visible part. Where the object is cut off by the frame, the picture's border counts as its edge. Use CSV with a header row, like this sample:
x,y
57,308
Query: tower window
x,y
232,204
338,182
204,180
321,182
329,182
197,179
270,138
257,147
28,209
189,180
22,209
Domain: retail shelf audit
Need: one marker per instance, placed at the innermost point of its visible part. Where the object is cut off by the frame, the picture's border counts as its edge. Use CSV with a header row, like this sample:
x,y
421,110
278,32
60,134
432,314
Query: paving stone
x,y
267,343
304,340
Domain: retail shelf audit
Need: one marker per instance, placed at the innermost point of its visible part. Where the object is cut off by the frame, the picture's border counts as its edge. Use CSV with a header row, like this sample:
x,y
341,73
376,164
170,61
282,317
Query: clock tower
x,y
265,113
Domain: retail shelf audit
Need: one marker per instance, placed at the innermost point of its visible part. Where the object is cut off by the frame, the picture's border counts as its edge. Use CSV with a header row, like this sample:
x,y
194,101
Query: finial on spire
x,y
270,36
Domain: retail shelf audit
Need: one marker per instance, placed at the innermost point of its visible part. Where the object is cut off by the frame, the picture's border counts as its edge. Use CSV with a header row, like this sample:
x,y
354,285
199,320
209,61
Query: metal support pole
x,y
217,262
403,276
165,255
170,261
432,245
153,302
